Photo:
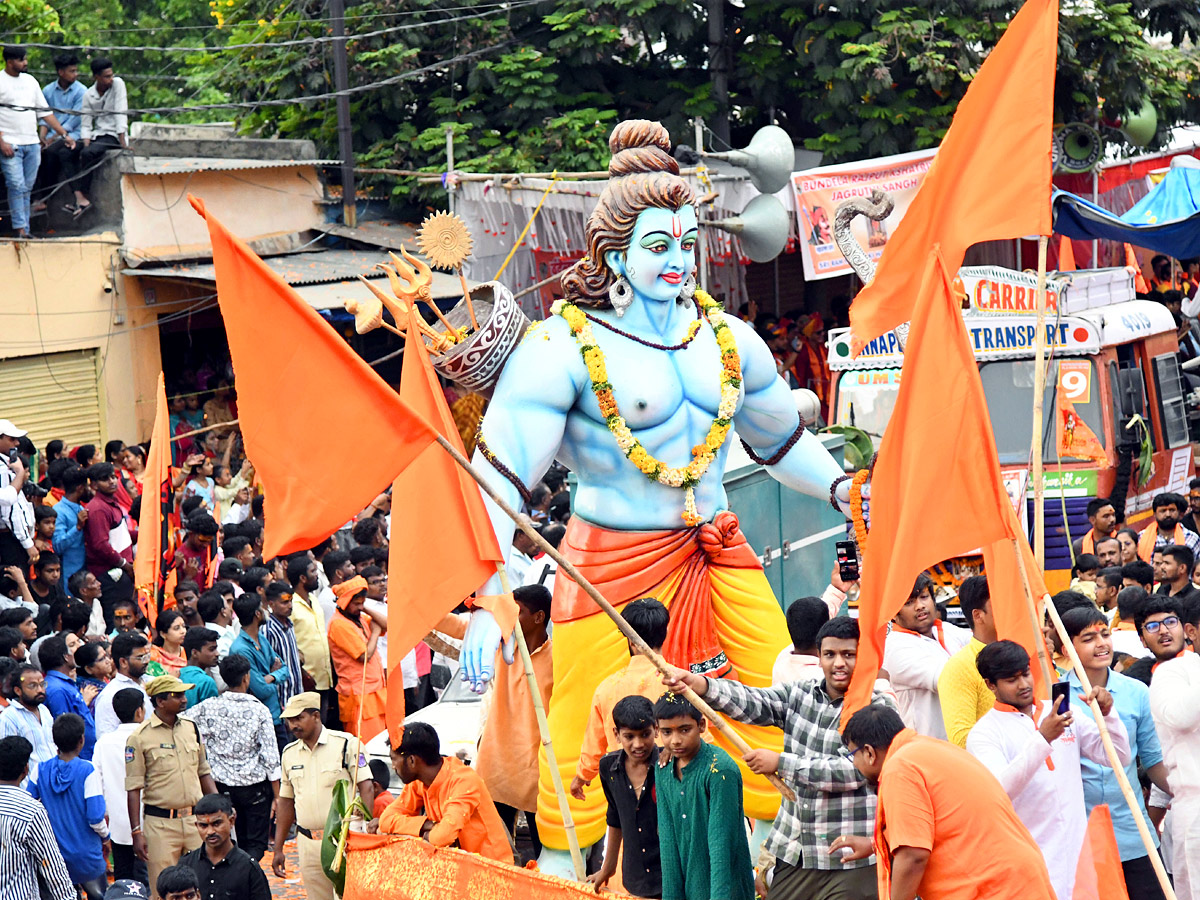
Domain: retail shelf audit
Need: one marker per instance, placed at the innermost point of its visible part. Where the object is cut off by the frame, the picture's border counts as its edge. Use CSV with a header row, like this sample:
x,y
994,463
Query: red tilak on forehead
x,y
1093,629
676,227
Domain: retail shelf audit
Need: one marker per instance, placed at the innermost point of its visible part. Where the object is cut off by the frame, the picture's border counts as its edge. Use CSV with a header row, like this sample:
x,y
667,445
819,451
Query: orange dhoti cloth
x,y
725,620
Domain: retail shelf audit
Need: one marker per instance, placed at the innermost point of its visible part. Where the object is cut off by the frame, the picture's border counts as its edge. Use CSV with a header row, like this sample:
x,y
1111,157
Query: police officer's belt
x,y
164,813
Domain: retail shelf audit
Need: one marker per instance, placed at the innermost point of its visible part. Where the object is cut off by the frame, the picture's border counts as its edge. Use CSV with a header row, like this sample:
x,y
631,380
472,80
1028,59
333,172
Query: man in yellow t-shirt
x,y
965,698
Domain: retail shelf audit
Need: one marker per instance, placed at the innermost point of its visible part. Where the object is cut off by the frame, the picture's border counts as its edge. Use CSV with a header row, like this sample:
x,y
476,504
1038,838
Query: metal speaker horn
x,y
1079,147
769,159
762,228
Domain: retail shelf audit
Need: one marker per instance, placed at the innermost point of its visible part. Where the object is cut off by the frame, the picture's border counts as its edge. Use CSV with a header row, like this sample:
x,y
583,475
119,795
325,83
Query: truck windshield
x,y
1008,385
867,397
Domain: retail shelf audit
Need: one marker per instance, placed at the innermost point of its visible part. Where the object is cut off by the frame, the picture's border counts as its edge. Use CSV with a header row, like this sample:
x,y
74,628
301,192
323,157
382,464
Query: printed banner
x,y
820,191
547,263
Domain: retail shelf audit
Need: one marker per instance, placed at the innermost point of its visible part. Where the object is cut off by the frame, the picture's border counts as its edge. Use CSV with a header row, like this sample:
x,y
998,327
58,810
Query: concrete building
x,y
94,309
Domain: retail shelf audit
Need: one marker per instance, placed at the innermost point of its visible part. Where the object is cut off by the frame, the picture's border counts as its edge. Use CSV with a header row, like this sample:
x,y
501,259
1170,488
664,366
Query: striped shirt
x,y
832,797
16,720
27,845
281,635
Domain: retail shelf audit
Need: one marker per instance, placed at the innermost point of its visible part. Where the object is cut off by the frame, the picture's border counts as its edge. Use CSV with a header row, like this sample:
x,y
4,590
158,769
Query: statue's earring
x,y
620,295
687,290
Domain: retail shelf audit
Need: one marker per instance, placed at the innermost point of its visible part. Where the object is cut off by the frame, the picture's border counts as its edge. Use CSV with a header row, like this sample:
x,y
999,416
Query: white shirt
x,y
790,666
1175,705
380,607
541,571
1048,801
328,601
106,719
105,114
914,662
518,567
20,126
1128,642
109,760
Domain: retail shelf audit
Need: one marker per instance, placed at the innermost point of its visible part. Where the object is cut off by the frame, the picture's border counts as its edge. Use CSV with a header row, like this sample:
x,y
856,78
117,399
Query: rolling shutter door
x,y
54,395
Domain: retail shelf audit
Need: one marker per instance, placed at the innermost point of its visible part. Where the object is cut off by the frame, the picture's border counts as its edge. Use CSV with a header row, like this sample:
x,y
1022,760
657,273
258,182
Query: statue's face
x,y
661,253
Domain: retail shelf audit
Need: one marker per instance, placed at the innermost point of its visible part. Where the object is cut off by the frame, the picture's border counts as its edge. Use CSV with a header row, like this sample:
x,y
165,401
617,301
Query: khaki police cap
x,y
167,684
300,703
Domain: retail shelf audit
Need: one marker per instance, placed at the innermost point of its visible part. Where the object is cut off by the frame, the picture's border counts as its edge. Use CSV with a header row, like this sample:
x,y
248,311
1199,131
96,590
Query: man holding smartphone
x,y
16,515
1035,751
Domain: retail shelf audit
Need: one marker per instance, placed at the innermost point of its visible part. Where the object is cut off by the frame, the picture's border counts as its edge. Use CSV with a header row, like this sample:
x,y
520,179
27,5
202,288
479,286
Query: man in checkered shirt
x,y
832,797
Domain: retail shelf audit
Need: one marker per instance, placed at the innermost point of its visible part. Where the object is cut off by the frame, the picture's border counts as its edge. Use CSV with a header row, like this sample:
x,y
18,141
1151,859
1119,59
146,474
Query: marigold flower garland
x,y
856,509
686,477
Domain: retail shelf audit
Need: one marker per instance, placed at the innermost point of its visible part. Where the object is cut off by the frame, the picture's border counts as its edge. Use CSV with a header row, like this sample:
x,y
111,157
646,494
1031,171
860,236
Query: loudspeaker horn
x,y
762,228
768,158
1139,129
1079,147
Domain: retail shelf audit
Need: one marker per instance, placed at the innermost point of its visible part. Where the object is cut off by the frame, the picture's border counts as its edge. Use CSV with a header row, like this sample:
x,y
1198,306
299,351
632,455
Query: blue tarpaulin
x,y
1166,220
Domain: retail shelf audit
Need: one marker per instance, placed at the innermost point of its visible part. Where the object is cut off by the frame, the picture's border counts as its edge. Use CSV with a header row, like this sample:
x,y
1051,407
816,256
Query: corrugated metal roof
x,y
182,165
335,269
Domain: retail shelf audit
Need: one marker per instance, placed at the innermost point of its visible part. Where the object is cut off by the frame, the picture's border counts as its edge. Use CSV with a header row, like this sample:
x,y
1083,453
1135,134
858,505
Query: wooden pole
x,y
1113,760
564,806
523,523
1039,391
188,434
466,296
1035,616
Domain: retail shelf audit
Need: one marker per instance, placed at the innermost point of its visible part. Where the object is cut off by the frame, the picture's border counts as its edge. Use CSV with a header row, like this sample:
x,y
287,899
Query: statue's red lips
x,y
672,277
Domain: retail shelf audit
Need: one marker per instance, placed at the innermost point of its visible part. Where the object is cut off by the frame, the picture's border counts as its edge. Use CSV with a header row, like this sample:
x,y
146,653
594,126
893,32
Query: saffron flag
x,y
151,565
1099,875
1011,613
956,462
1075,439
296,379
1132,264
444,547
990,179
1066,254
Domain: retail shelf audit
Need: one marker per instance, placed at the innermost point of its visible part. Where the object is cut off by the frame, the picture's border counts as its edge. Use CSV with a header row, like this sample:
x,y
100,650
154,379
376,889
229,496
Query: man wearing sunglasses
x,y
1175,705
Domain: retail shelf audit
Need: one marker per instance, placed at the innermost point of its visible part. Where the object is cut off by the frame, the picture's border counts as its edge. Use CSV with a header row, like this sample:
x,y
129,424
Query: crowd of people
x,y
58,135
176,748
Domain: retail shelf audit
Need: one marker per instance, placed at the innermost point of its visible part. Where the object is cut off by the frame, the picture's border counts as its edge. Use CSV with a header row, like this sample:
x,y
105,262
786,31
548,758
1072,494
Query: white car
x,y
457,717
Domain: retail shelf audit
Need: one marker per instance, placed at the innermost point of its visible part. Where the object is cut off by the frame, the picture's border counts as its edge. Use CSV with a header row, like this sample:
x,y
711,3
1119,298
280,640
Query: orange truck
x,y
1113,373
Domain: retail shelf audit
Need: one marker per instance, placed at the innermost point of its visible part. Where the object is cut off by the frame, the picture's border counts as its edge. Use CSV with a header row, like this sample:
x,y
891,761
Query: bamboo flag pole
x,y
1039,392
633,637
1034,616
564,806
1113,760
188,434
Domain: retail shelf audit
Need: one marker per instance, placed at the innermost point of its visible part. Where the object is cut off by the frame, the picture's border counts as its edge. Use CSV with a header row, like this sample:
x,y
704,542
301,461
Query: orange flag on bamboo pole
x,y
990,179
154,530
1099,875
1135,267
956,462
294,371
1066,254
442,547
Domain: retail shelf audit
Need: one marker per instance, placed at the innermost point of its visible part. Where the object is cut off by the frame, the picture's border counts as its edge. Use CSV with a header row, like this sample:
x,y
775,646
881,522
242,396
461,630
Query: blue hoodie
x,y
71,792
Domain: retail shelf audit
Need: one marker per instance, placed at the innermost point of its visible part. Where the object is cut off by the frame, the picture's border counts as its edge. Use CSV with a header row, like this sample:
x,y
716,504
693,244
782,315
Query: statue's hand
x,y
479,650
843,497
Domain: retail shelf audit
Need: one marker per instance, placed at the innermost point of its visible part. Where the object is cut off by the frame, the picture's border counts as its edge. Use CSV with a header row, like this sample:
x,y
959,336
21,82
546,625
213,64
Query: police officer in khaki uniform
x,y
166,772
311,765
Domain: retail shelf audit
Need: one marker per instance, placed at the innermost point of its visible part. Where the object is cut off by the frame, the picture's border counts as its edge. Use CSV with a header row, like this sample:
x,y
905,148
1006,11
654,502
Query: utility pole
x,y
341,82
718,67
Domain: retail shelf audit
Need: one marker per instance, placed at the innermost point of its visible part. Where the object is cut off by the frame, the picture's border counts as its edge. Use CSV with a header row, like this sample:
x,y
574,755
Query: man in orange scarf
x,y
929,842
444,800
354,634
1102,516
1168,527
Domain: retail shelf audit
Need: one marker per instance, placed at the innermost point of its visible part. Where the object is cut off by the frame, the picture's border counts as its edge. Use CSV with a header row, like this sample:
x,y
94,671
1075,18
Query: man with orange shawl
x,y
354,634
634,384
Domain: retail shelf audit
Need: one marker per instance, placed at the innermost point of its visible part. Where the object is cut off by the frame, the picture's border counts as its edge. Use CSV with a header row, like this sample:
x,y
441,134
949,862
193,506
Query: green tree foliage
x,y
529,86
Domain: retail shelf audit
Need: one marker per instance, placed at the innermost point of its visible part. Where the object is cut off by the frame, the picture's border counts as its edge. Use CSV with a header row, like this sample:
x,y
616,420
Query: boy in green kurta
x,y
701,827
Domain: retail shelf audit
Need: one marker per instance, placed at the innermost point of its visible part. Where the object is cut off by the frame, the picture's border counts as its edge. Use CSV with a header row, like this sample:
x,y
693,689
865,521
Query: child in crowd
x,y
45,518
627,777
1083,574
701,830
382,776
70,790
